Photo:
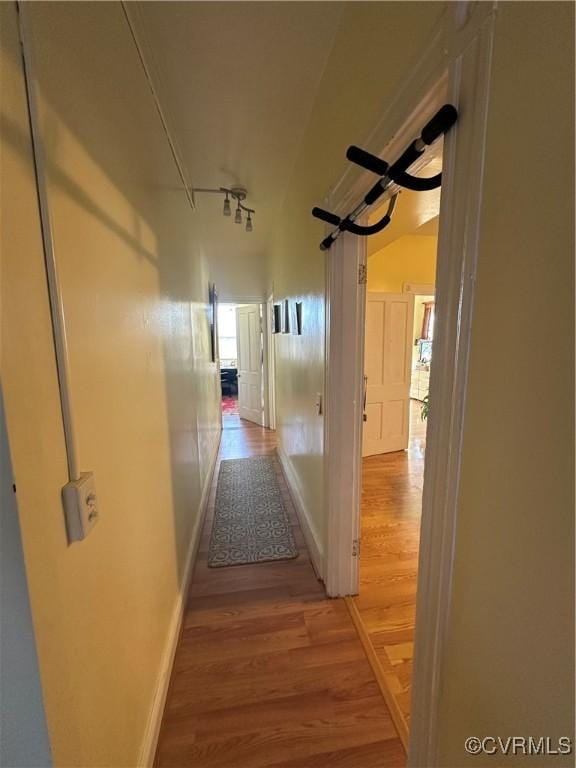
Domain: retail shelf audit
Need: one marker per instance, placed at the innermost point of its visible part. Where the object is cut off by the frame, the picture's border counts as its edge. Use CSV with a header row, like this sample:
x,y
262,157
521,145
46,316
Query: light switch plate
x,y
80,506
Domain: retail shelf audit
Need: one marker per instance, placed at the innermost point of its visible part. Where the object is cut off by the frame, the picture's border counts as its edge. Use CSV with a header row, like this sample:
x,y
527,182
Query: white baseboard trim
x,y
150,741
313,541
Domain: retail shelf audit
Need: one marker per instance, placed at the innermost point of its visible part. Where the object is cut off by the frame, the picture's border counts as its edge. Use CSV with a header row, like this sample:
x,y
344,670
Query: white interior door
x,y
387,368
249,339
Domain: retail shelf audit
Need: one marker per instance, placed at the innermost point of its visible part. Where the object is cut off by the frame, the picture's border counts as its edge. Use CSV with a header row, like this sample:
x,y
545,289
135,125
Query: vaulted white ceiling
x,y
238,81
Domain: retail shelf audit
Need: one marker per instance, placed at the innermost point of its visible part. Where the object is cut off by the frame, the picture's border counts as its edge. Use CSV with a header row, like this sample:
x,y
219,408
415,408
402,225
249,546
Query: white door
x,y
249,338
387,367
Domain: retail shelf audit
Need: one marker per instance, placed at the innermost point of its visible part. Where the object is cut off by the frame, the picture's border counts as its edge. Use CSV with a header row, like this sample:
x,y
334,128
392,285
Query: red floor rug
x,y
229,405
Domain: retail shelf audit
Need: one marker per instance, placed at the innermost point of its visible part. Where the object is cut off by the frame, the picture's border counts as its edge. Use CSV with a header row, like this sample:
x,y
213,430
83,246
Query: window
x,y
428,321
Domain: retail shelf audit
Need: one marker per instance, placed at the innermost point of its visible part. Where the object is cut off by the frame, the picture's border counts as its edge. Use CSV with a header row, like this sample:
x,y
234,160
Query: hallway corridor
x,y
268,672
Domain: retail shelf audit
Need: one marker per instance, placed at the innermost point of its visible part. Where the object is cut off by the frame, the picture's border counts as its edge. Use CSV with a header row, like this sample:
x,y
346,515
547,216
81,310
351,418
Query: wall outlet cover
x,y
80,506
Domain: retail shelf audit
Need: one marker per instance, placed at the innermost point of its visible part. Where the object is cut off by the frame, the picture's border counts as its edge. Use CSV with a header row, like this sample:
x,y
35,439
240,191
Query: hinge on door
x,y
362,274
356,548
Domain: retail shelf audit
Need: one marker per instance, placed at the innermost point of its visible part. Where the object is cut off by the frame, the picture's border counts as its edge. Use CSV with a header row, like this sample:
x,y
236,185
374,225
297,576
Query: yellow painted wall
x,y
410,259
509,666
144,392
352,95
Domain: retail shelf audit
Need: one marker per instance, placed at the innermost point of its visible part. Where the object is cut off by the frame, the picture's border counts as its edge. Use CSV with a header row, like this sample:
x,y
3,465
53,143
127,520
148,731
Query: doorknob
x,y
364,417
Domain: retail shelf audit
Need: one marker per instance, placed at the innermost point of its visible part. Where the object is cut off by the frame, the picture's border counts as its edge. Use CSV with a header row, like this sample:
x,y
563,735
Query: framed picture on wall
x,y
277,318
213,321
292,310
296,318
285,316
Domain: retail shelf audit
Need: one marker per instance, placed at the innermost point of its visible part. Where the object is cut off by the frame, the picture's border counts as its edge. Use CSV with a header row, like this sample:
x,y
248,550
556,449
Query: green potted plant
x,y
425,407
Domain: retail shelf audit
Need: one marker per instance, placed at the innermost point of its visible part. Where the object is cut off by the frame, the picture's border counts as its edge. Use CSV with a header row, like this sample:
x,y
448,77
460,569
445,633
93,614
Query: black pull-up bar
x,y
396,173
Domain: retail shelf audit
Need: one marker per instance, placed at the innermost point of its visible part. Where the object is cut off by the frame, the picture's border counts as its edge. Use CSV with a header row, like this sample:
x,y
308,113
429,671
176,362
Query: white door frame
x,y
419,289
343,409
269,365
454,68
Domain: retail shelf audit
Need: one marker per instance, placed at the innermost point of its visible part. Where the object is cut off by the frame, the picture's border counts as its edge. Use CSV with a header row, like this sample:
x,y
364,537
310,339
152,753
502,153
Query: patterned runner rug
x,y
251,523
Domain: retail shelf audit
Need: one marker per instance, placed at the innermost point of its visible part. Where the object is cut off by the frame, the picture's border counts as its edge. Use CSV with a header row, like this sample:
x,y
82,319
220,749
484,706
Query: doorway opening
x,y
398,343
228,354
241,354
460,75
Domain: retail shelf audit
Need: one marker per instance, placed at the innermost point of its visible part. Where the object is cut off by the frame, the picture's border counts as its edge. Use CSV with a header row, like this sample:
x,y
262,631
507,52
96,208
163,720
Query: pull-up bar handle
x,y
329,218
367,160
417,183
371,229
442,121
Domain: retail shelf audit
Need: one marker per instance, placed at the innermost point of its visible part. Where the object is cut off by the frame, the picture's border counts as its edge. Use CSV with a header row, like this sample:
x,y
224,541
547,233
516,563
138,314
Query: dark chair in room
x,y
229,381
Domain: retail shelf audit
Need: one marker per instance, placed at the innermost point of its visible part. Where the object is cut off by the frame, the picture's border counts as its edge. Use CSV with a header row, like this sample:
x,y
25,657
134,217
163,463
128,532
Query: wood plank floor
x,y
391,511
268,671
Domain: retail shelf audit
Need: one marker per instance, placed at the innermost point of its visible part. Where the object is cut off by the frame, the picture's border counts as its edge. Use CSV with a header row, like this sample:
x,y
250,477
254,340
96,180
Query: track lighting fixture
x,y
239,195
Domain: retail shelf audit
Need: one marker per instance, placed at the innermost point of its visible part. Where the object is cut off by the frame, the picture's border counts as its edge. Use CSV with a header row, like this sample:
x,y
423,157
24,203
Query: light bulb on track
x,y
232,196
